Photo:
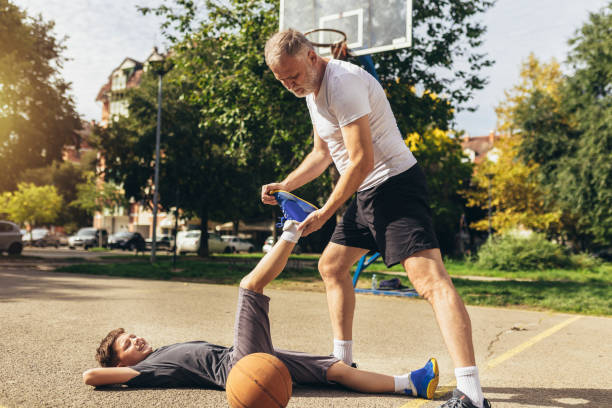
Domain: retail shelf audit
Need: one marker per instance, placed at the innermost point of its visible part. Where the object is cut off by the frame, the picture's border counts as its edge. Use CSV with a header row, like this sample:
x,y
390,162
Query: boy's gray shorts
x,y
252,335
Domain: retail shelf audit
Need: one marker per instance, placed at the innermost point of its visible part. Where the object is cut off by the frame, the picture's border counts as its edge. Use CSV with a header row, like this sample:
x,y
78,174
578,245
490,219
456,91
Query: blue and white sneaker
x,y
425,380
292,206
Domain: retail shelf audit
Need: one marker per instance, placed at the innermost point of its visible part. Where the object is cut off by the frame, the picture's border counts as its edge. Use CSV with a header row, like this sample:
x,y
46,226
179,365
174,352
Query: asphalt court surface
x,y
51,324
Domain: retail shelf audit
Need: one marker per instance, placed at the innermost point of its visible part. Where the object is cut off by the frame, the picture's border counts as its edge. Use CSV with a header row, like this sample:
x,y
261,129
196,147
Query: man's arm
x,y
358,141
109,375
313,165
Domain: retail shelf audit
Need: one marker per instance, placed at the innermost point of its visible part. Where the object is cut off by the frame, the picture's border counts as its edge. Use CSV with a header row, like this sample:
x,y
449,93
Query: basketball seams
x,y
259,385
280,370
234,398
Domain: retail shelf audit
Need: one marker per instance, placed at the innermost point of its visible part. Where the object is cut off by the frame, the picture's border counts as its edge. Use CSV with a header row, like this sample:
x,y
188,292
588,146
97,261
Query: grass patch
x,y
228,273
573,291
98,249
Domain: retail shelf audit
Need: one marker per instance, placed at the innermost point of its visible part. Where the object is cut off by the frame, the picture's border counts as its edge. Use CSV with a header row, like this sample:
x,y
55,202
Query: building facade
x,y
113,96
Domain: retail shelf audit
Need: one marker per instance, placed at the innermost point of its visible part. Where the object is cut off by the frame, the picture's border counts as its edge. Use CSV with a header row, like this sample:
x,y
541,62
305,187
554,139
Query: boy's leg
x,y
418,383
252,325
273,263
311,369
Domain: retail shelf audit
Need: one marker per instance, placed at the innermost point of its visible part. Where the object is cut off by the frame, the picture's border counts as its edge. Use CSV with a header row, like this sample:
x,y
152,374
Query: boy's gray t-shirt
x,y
206,365
190,364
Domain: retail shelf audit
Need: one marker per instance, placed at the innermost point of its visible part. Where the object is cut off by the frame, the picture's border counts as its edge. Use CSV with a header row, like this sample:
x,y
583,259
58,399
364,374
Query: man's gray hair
x,y
288,42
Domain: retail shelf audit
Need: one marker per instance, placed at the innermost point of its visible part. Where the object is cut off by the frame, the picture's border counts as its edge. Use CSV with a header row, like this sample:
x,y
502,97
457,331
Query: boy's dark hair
x,y
105,354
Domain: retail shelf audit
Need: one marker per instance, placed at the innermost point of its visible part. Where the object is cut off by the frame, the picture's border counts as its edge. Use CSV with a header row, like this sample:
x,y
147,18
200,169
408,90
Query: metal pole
x,y
176,215
156,182
489,176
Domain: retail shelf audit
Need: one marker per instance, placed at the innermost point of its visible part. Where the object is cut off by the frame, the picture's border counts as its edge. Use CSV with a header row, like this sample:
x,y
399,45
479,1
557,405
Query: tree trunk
x,y
203,250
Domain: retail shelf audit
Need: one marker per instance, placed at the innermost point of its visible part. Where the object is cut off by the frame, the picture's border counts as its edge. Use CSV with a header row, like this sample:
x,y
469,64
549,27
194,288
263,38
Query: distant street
x,y
52,323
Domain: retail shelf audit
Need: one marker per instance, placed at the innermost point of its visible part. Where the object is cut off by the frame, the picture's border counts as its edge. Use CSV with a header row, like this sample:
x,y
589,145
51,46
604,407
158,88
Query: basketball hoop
x,y
338,47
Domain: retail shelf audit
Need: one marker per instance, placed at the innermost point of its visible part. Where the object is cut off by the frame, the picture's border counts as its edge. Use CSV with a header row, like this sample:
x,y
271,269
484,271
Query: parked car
x,y
127,241
10,238
238,244
165,242
269,243
189,241
26,237
88,238
42,237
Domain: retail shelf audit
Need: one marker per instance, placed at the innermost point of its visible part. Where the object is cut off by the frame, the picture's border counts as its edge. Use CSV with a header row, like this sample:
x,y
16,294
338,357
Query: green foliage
x,y
264,127
512,252
518,199
32,205
570,137
96,195
443,161
65,176
443,59
37,116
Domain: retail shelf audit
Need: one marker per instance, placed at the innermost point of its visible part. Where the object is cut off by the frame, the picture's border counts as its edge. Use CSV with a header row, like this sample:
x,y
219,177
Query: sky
x,y
102,33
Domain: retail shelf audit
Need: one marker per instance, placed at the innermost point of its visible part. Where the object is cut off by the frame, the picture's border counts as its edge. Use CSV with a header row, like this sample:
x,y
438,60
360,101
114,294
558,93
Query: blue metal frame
x,y
363,263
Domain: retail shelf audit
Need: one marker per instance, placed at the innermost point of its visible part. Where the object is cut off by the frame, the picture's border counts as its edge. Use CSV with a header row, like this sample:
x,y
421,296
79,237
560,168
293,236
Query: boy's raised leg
x,y
273,263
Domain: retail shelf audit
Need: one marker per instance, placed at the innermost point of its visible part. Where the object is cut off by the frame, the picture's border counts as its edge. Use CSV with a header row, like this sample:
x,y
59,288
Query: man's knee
x,y
436,287
331,270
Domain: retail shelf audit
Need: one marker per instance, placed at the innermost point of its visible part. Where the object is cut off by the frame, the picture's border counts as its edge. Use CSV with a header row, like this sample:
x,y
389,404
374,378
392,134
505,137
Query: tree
x,y
267,128
198,172
518,198
584,177
32,205
65,176
37,116
535,75
448,172
95,195
571,139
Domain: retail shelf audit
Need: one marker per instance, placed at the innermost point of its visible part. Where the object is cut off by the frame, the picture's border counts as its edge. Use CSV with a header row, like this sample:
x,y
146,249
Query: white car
x,y
10,238
189,241
238,244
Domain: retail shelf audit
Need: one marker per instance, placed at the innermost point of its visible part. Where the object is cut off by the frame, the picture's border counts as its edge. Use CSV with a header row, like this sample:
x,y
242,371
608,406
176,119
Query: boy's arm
x,y
108,375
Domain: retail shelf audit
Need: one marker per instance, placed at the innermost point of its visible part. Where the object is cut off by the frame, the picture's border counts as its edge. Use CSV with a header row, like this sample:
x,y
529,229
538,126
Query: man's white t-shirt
x,y
346,94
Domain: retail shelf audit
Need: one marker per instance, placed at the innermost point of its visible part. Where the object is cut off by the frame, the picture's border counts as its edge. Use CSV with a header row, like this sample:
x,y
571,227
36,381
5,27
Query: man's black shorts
x,y
392,218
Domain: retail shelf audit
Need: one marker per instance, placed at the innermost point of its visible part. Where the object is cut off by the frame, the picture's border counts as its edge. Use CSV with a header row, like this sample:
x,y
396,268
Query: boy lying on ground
x,y
128,359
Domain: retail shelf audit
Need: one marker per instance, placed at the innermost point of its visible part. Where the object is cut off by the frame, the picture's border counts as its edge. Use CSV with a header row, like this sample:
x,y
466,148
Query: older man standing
x,y
355,128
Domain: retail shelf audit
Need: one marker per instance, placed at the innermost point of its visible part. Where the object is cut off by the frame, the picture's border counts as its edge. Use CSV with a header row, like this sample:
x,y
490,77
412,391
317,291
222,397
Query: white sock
x,y
290,231
469,384
403,383
343,349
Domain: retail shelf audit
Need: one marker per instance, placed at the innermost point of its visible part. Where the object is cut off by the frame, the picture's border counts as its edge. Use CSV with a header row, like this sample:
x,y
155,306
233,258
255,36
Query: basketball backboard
x,y
370,26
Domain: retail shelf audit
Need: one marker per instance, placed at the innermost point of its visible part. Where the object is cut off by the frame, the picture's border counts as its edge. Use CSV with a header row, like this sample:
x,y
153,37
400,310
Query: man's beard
x,y
310,84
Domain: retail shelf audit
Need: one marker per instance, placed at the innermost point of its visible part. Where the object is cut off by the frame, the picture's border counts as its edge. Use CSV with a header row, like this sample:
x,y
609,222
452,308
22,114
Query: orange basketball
x,y
258,380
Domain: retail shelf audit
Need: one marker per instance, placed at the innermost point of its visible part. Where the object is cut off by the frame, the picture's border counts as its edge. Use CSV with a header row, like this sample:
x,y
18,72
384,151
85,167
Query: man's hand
x,y
313,222
268,198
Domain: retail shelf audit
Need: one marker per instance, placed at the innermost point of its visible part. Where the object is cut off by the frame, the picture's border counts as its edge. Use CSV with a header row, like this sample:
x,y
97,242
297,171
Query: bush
x,y
511,252
585,261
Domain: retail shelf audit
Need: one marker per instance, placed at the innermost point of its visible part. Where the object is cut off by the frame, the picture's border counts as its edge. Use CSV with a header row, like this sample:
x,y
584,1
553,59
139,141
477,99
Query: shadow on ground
x,y
17,284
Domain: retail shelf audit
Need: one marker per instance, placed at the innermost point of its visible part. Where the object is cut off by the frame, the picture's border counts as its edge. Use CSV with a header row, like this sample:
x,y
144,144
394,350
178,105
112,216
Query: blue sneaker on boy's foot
x,y
425,380
293,207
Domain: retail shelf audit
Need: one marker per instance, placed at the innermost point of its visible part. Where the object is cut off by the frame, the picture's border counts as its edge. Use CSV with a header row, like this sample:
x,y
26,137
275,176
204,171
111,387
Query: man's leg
x,y
427,273
334,265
